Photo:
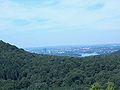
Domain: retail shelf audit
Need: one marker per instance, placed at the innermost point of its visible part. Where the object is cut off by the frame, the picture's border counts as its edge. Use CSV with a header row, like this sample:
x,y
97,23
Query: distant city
x,y
76,51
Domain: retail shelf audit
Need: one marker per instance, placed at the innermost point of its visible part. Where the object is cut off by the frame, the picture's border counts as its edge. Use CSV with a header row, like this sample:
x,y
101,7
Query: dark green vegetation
x,y
20,70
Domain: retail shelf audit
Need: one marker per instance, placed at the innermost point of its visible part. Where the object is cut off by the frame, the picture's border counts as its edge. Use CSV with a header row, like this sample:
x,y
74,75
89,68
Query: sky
x,y
36,23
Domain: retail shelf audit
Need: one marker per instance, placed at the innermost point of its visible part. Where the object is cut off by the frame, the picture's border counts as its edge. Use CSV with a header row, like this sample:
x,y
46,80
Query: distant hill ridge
x,y
21,70
117,53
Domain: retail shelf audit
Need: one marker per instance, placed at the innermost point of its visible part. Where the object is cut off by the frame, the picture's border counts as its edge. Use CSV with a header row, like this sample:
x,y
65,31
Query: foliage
x,y
21,70
96,86
110,86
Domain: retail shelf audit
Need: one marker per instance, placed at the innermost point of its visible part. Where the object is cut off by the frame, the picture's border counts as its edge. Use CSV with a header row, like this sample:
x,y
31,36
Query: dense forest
x,y
21,70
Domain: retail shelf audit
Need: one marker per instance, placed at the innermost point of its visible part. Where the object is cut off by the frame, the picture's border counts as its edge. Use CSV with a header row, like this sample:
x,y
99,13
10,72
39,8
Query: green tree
x,y
96,86
110,86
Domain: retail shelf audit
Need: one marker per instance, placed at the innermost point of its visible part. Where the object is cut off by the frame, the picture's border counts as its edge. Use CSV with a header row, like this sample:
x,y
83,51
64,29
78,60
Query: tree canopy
x,y
21,70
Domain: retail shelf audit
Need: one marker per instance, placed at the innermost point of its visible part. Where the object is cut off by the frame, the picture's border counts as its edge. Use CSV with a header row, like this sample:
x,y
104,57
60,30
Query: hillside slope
x,y
21,70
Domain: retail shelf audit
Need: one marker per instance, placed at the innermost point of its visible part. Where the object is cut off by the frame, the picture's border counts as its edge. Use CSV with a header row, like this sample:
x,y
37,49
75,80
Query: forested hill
x,y
21,70
6,46
117,53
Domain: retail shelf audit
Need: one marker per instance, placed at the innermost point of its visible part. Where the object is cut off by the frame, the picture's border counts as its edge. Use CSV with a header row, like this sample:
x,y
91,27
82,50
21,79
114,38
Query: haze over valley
x,y
76,51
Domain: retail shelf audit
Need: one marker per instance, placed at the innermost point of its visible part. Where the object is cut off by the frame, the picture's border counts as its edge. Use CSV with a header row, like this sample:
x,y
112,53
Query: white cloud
x,y
60,14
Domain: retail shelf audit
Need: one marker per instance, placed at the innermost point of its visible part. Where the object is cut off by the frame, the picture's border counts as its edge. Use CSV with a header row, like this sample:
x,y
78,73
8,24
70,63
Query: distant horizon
x,y
77,45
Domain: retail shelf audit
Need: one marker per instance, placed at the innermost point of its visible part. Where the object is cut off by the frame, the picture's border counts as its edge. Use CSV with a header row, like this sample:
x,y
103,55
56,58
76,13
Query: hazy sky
x,y
34,23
